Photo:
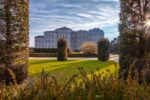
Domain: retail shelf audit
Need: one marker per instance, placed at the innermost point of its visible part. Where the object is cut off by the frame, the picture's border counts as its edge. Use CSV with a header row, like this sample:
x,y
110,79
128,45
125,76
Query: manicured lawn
x,y
64,70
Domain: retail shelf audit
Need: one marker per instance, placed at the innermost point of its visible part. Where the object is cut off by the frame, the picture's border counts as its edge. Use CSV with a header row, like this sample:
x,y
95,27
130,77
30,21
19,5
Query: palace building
x,y
74,38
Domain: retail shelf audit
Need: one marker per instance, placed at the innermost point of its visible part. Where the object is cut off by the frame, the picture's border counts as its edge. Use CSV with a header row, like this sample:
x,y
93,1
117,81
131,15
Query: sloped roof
x,y
39,37
64,28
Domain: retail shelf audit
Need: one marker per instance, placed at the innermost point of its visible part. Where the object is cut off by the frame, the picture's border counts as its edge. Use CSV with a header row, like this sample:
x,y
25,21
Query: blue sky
x,y
76,14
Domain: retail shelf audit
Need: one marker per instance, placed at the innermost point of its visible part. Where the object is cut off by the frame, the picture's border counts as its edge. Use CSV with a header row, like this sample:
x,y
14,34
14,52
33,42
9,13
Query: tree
x,y
132,31
62,50
103,49
14,17
89,48
114,46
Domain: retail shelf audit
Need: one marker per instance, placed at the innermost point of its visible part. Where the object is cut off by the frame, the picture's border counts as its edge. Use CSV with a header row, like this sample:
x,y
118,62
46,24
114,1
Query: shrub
x,y
55,55
103,49
89,48
62,50
47,50
43,50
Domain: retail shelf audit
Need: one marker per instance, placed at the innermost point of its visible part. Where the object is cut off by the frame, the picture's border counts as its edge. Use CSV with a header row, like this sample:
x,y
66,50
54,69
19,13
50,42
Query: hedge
x,y
46,50
55,55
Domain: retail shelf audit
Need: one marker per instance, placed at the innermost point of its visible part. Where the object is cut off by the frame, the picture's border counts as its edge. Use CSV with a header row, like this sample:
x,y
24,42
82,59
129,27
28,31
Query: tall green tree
x,y
103,49
14,18
132,31
62,52
114,46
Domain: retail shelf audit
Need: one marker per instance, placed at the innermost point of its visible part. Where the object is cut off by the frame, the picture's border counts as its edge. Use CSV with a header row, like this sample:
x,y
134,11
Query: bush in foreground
x,y
78,87
62,50
103,49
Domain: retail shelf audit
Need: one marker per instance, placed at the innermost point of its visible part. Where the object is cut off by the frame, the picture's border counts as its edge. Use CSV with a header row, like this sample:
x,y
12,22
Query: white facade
x,y
74,38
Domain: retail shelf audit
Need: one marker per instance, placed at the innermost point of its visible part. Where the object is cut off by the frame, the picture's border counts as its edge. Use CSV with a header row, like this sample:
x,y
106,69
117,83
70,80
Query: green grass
x,y
64,70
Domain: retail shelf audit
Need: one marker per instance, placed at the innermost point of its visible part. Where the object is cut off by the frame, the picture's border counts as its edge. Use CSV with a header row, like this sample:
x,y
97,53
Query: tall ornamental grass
x,y
97,86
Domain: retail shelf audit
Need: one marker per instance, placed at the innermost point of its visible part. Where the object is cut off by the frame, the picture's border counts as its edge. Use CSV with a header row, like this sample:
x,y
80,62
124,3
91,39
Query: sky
x,y
47,15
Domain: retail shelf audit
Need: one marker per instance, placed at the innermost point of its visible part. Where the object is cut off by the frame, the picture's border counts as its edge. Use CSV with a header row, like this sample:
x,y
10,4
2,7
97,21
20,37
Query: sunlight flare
x,y
147,23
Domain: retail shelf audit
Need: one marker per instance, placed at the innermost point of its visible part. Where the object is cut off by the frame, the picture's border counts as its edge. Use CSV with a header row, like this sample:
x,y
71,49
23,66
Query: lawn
x,y
64,70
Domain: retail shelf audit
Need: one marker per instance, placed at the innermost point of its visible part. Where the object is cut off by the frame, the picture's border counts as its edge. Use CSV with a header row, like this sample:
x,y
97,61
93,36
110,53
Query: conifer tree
x,y
132,31
62,50
14,17
103,49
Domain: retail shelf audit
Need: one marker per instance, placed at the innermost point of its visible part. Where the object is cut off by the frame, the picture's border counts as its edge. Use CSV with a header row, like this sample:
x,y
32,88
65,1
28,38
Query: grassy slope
x,y
64,70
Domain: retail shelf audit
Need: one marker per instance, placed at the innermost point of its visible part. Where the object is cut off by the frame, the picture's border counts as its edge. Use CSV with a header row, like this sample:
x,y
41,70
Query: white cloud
x,y
76,14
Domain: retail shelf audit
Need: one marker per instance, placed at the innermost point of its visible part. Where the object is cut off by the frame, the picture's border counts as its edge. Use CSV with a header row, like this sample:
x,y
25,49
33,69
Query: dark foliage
x,y
133,49
114,46
103,49
62,50
46,50
55,55
43,50
14,38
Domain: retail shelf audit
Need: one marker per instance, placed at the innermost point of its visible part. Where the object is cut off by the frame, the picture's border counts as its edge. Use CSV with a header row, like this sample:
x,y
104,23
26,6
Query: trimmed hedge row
x,y
55,55
45,50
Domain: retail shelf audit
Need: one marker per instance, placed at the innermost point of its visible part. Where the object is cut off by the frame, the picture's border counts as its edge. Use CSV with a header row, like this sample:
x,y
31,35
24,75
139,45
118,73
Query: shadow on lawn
x,y
55,67
34,62
69,68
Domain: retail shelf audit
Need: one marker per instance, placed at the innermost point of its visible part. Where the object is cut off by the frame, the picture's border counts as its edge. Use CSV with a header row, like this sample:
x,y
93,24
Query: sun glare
x,y
148,23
